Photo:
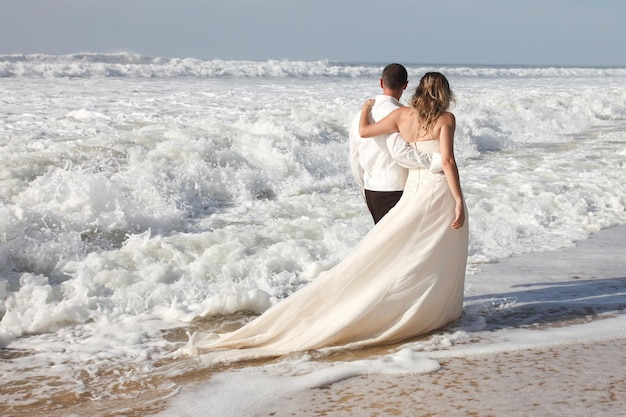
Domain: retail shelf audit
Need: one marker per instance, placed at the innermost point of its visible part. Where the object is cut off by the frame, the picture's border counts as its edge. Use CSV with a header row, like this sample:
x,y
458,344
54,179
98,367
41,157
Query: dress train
x,y
405,278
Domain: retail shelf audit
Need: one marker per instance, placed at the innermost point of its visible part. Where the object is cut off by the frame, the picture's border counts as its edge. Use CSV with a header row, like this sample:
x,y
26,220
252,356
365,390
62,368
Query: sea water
x,y
143,195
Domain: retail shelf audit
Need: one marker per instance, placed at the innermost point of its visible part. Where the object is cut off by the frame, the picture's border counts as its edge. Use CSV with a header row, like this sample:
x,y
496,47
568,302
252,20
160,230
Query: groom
x,y
380,164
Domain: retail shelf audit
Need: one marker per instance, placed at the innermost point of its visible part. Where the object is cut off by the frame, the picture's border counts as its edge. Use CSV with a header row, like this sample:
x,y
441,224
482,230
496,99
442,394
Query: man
x,y
380,164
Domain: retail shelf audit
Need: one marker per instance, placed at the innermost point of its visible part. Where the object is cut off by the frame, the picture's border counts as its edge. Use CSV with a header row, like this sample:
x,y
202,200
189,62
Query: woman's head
x,y
431,99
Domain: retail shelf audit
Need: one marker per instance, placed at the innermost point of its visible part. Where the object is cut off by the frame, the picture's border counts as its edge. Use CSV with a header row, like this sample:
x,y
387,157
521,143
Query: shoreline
x,y
580,374
564,380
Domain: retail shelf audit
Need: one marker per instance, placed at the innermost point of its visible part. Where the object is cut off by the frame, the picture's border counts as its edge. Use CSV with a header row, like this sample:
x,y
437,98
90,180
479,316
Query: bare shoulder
x,y
445,126
399,114
447,118
403,110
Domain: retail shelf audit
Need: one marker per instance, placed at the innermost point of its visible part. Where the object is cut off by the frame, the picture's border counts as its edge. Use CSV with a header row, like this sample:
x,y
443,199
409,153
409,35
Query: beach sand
x,y
586,379
569,376
579,376
567,380
575,378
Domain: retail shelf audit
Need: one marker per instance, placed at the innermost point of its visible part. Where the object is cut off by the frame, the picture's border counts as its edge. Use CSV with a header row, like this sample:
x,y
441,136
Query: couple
x,y
404,279
380,164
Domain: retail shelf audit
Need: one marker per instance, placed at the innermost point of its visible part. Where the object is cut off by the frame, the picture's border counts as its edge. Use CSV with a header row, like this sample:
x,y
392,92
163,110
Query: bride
x,y
404,279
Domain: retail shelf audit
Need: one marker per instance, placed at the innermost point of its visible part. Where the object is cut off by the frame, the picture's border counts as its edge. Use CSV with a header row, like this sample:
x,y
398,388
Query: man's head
x,y
394,80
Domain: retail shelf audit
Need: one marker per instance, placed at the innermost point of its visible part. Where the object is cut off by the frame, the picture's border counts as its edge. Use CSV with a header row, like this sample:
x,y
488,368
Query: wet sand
x,y
567,380
564,380
570,379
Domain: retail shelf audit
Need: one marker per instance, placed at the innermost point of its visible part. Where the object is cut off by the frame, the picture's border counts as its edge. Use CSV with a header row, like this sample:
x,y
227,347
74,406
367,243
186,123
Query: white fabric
x,y
408,156
404,279
379,163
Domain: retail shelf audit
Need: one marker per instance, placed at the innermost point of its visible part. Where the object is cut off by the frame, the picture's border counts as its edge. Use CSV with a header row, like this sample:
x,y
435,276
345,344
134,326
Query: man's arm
x,y
355,165
407,156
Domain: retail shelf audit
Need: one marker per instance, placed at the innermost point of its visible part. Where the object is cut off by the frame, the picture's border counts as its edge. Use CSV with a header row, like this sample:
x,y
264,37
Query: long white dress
x,y
404,279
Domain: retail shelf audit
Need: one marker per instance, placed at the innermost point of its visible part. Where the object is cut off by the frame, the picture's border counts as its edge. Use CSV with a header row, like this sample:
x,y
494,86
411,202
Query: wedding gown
x,y
404,279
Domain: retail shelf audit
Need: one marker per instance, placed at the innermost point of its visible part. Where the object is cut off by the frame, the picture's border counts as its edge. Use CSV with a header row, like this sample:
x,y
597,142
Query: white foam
x,y
125,64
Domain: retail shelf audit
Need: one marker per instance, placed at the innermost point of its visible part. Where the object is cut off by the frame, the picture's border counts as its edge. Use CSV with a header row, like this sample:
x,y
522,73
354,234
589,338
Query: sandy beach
x,y
513,370
578,378
562,380
572,375
565,380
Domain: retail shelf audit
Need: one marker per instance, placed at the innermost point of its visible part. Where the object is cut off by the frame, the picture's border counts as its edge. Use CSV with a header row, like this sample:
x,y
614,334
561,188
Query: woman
x,y
426,119
406,276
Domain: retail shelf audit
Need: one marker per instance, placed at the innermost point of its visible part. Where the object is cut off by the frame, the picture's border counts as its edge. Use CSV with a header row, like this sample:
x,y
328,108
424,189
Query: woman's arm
x,y
446,147
368,129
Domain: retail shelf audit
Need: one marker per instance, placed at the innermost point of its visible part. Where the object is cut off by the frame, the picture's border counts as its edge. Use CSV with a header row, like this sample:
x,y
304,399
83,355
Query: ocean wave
x,y
96,65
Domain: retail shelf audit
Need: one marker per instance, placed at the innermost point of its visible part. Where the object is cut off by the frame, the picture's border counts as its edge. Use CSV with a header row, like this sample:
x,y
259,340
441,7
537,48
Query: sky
x,y
480,32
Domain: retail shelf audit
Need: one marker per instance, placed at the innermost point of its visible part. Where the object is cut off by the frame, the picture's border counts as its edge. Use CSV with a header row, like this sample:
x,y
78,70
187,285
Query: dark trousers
x,y
380,202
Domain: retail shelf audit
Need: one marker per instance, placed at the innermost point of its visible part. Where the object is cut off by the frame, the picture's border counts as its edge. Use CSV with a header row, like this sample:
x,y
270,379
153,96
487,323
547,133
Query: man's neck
x,y
392,93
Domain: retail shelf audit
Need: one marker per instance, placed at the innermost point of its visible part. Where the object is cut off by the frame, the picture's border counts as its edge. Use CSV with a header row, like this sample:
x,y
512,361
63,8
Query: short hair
x,y
395,76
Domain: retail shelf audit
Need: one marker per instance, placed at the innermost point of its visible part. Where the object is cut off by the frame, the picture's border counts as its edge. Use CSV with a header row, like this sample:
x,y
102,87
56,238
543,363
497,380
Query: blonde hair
x,y
432,98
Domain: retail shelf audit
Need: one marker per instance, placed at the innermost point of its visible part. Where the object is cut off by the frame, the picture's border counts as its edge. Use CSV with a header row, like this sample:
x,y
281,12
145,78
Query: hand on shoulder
x,y
369,103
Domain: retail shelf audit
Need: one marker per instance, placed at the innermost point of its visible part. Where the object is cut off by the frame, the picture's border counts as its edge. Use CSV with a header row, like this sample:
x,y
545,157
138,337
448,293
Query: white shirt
x,y
380,163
